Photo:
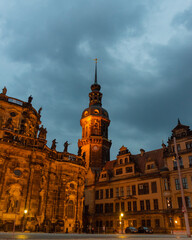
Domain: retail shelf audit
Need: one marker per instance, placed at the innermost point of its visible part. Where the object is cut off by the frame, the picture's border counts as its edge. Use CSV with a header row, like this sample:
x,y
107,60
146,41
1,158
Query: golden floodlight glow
x,y
175,221
25,211
122,214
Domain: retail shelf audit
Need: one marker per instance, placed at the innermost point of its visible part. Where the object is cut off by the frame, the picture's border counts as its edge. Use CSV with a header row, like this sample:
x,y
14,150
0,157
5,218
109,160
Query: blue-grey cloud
x,y
47,50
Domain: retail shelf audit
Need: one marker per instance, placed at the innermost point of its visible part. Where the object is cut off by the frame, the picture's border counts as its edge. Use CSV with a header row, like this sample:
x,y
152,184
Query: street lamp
x,y
121,225
182,192
25,212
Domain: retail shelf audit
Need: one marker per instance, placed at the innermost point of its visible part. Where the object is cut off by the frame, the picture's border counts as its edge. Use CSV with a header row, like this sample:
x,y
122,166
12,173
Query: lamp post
x,y
120,222
25,212
182,192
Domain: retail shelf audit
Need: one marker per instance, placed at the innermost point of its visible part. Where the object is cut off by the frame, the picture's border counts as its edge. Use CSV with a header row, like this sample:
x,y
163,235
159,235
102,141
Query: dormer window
x,y
129,169
119,171
189,145
104,175
178,148
150,166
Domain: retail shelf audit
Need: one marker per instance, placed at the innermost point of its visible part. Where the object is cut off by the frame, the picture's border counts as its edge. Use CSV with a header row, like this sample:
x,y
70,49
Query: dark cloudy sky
x,y
144,49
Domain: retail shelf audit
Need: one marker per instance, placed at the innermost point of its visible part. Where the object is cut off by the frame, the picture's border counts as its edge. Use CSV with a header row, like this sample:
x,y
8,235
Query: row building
x,y
132,190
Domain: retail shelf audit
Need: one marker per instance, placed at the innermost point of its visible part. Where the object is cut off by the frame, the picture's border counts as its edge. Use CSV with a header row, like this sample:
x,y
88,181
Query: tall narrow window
x,y
121,191
97,195
129,206
101,194
128,190
148,205
148,223
190,161
133,190
153,187
117,192
111,192
122,206
135,206
117,207
156,205
166,184
106,193
142,205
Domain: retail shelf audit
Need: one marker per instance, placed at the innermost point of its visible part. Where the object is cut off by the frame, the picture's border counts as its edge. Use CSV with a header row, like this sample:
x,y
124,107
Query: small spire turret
x,y
95,96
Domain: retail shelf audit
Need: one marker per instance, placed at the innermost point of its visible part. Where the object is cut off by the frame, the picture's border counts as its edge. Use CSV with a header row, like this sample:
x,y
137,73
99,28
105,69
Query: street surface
x,y
39,236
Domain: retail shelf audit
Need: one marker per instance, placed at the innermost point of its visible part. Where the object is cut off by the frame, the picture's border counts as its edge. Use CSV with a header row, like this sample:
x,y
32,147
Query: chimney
x,y
142,152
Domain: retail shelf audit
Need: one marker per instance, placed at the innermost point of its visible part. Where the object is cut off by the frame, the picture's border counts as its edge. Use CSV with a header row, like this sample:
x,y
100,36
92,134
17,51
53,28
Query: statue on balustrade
x,y
66,144
30,98
4,91
42,132
53,146
39,111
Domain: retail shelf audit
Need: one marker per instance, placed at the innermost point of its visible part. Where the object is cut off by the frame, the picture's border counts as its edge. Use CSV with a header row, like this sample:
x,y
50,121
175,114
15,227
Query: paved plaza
x,y
38,236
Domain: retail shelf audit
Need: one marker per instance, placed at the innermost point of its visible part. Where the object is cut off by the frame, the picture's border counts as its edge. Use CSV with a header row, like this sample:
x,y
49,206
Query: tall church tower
x,y
95,122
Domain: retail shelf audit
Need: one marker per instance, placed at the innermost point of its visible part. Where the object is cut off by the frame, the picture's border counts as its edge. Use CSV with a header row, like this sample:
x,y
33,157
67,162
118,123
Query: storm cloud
x,y
144,68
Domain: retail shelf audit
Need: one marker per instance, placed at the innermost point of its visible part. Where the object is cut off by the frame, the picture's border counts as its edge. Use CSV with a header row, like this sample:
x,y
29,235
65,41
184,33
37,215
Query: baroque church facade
x,y
42,189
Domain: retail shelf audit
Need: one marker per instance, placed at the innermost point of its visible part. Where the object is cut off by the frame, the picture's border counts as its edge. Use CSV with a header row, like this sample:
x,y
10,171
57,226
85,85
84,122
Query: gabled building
x,y
132,190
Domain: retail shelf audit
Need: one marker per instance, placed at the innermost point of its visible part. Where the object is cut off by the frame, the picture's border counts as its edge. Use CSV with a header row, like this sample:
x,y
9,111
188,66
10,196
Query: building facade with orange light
x,y
41,189
132,190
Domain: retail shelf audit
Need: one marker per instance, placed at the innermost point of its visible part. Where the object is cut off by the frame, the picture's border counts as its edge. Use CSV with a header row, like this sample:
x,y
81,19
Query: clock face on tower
x,y
95,148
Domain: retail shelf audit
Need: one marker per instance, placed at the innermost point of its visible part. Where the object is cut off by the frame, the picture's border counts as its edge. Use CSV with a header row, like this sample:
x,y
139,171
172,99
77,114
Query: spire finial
x,y
179,122
95,70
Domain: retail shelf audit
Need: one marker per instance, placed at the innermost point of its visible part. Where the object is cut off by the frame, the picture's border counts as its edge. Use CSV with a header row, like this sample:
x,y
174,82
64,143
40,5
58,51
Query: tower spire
x,y
95,70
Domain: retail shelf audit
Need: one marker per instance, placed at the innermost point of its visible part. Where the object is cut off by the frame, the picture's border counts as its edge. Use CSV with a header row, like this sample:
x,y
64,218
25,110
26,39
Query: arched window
x,y
70,210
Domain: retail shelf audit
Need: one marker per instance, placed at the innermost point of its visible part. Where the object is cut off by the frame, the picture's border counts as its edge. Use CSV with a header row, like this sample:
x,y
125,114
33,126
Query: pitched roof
x,y
155,155
140,160
109,165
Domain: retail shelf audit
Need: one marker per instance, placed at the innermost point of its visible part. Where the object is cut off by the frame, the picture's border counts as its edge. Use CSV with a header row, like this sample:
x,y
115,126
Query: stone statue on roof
x,y
30,98
4,91
42,132
66,144
39,111
53,147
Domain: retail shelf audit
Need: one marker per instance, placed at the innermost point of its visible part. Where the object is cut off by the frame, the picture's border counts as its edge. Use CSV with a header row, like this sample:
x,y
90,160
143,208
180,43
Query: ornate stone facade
x,y
40,188
144,188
